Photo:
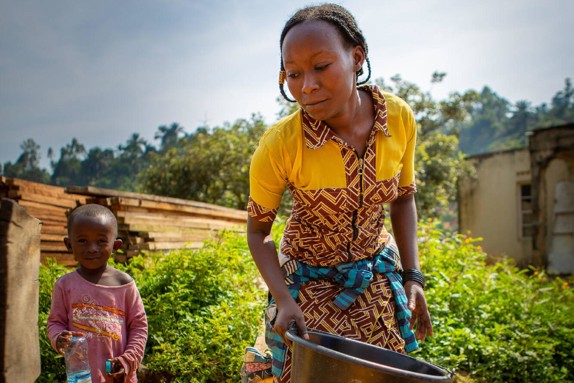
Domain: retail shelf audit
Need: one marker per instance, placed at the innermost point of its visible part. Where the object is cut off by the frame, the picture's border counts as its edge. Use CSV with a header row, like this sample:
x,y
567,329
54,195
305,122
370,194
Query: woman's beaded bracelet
x,y
415,276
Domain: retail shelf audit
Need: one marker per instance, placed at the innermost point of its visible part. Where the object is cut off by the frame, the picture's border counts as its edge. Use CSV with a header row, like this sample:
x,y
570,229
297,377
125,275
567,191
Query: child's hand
x,y
116,371
64,339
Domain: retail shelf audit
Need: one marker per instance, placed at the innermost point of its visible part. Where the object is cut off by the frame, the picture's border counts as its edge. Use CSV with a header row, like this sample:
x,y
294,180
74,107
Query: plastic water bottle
x,y
77,361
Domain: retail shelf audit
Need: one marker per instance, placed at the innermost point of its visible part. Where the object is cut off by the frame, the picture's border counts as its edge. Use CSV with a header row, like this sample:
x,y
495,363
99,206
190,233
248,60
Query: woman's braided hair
x,y
335,15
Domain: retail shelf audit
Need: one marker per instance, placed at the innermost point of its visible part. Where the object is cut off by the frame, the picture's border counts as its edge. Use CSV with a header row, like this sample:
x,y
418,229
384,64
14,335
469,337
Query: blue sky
x,y
102,70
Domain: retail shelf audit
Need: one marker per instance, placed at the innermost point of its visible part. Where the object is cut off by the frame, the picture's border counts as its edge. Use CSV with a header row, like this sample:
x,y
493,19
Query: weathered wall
x,y
560,216
556,172
546,146
489,205
19,269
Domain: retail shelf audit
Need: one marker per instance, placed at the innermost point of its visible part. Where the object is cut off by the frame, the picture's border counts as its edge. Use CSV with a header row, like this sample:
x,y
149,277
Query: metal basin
x,y
335,359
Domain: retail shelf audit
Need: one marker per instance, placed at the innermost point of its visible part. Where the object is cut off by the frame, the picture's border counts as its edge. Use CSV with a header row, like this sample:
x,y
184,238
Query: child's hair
x,y
92,210
335,15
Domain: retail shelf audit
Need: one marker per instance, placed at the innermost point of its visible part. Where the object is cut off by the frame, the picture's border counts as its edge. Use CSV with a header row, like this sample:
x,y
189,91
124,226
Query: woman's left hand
x,y
417,303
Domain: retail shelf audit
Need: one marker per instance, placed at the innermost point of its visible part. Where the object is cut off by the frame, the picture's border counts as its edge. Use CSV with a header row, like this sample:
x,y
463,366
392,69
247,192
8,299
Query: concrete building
x,y
521,202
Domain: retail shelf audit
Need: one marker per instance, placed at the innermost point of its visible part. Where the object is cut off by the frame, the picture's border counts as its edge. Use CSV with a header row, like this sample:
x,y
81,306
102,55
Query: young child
x,y
98,301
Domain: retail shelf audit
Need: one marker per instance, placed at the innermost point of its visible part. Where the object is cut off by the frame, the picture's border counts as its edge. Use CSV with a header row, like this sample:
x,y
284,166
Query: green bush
x,y
494,321
204,307
52,363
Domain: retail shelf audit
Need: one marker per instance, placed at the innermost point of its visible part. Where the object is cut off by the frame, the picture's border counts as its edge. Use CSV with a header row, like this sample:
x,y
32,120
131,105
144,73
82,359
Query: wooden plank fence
x,y
145,222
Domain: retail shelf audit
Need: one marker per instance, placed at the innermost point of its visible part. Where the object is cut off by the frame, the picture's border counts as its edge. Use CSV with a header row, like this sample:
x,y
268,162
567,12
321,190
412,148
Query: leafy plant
x,y
204,307
52,363
494,321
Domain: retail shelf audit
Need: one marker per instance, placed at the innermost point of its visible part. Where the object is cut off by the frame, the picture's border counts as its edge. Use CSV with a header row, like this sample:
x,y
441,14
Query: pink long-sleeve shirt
x,y
112,318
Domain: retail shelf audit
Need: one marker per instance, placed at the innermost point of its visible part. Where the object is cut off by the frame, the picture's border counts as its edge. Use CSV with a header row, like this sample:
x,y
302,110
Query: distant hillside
x,y
496,124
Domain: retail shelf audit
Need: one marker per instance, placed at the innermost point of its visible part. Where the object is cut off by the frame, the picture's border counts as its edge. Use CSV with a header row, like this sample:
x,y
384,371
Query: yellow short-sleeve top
x,y
338,213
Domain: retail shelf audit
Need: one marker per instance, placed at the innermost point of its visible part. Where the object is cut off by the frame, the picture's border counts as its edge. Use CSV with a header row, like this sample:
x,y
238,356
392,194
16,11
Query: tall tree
x,y
67,169
438,159
132,159
562,106
212,165
27,166
96,166
512,135
488,116
496,124
168,136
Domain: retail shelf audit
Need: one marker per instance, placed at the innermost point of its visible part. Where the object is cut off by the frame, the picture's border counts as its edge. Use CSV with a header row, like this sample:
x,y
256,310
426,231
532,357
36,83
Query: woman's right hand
x,y
264,254
288,312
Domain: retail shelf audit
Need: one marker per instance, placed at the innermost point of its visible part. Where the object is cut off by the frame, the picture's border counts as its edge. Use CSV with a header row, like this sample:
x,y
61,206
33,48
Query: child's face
x,y
92,240
321,68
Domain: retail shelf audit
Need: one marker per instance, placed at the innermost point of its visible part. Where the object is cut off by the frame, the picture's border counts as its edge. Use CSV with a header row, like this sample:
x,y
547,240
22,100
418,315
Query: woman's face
x,y
321,68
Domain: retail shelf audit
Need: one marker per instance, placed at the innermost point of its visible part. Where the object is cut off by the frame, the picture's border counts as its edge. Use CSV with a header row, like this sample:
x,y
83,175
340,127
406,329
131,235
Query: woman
x,y
348,151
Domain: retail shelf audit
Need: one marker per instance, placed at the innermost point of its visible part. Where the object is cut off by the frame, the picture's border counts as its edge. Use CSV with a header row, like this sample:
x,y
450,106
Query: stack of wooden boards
x,y
145,222
50,205
150,222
